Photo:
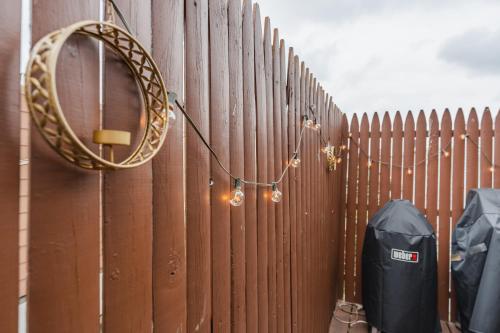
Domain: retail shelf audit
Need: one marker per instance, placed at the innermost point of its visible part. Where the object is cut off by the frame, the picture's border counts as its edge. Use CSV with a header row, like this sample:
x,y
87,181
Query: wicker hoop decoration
x,y
45,109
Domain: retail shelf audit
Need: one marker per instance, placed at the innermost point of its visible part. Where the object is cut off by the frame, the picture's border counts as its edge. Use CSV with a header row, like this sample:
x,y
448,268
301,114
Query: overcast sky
x,y
388,55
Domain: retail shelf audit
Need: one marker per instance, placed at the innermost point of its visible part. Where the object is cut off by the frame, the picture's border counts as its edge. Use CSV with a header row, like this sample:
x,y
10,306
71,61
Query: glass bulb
x,y
309,123
171,119
295,162
492,169
339,160
446,154
410,171
237,197
317,127
276,195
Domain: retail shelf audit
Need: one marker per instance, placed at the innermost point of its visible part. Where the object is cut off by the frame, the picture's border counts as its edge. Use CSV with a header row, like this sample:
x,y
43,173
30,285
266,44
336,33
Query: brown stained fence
x,y
172,254
432,162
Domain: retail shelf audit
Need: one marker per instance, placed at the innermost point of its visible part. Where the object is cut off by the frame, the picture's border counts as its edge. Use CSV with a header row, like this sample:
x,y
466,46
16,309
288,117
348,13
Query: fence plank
x,y
420,161
486,159
277,172
397,156
409,157
292,109
169,237
373,203
458,183
127,215
64,254
262,176
219,139
343,210
301,208
362,197
432,173
472,151
385,158
271,218
307,204
250,165
286,197
236,147
9,148
197,165
496,181
444,216
351,208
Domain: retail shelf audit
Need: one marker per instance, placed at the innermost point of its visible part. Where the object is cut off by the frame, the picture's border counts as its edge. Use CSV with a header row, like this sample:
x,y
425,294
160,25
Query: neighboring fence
x,y
175,256
433,163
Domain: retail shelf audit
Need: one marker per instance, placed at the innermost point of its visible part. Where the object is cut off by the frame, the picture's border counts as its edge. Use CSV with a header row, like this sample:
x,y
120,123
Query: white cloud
x,y
378,55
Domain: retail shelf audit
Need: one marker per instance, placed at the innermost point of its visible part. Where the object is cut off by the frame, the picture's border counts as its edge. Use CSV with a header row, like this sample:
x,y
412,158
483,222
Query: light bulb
x,y
462,136
410,171
339,160
492,169
370,164
237,196
309,123
171,119
317,126
446,154
343,147
276,195
295,162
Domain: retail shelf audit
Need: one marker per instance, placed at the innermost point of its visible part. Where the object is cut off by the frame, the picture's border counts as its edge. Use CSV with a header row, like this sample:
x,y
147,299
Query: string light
x,y
409,171
317,126
295,161
463,136
492,169
276,195
446,153
309,123
370,163
339,160
237,196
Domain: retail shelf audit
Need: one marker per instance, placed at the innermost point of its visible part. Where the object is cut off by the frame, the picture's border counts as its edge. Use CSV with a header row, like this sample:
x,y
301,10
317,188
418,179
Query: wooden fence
x,y
173,254
432,163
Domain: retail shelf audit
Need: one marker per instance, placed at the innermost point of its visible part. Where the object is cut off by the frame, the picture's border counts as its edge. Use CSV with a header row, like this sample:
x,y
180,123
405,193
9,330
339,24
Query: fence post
x,y
10,26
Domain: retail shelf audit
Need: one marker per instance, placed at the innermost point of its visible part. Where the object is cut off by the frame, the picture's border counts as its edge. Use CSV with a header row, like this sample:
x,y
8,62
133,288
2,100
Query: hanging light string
x,y
237,195
444,151
223,167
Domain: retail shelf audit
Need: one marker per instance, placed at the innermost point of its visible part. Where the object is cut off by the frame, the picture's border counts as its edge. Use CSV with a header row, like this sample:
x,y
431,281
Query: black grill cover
x,y
475,262
399,271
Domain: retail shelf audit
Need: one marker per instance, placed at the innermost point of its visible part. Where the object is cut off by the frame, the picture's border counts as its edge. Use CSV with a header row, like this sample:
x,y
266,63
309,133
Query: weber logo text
x,y
406,256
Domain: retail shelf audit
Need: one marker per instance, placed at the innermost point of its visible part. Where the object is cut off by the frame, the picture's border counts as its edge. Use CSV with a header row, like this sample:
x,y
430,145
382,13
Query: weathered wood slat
x,y
237,165
420,159
496,177
219,139
278,152
64,219
342,208
351,208
486,168
409,157
285,156
262,176
10,26
444,215
198,224
385,158
472,151
169,237
432,173
373,203
127,215
397,157
458,183
271,217
249,121
364,165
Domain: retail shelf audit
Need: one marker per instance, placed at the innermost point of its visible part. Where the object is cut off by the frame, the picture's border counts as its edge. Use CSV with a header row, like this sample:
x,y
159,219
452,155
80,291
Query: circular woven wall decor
x,y
48,116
